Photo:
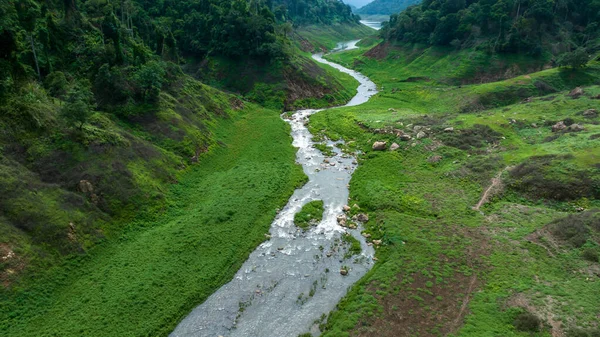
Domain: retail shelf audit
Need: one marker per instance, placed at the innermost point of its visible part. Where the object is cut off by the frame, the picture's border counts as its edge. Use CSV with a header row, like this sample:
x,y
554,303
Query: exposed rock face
x,y
379,146
85,186
559,126
576,93
394,147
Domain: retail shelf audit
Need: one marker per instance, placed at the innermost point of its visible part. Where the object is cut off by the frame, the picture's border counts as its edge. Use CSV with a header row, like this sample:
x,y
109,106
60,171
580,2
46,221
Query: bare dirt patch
x,y
424,307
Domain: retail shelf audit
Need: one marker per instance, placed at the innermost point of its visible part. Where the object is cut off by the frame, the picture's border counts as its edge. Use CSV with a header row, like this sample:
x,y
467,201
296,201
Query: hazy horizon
x,y
357,3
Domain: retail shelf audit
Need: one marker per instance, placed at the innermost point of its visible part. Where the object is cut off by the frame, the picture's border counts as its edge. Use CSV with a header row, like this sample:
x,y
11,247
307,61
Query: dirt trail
x,y
496,181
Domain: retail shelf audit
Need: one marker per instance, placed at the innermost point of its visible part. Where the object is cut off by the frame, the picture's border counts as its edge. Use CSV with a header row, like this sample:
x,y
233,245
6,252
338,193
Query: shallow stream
x,y
292,280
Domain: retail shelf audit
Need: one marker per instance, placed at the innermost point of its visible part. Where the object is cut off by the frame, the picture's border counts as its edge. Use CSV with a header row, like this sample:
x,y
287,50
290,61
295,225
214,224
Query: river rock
x,y
405,137
559,126
576,93
379,146
362,217
394,147
346,208
341,218
421,135
377,242
575,128
344,272
450,129
590,113
85,186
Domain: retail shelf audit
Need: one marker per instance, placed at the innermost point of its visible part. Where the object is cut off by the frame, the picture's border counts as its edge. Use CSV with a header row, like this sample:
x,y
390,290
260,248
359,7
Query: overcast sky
x,y
357,3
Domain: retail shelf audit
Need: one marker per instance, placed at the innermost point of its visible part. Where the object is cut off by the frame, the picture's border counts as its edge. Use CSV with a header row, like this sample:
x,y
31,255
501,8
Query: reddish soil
x,y
422,309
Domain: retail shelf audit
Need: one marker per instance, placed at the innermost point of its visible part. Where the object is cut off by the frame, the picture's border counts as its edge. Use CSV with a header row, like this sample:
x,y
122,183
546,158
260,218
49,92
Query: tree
x,y
79,107
575,59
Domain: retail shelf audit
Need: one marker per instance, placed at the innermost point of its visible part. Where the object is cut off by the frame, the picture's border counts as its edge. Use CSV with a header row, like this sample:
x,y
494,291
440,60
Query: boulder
x,y
362,217
379,146
417,128
435,159
85,186
394,147
576,93
346,208
450,129
344,272
405,137
377,242
341,218
559,126
421,135
575,128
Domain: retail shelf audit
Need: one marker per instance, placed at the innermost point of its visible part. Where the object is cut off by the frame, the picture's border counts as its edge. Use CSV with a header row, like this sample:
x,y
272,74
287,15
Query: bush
x,y
591,255
527,322
575,59
576,228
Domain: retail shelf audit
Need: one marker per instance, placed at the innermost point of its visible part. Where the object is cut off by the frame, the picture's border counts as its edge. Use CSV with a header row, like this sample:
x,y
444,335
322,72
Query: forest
x,y
531,27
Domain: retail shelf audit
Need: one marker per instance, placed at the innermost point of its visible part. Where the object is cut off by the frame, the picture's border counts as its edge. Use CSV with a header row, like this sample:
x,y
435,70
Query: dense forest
x,y
385,7
509,26
84,90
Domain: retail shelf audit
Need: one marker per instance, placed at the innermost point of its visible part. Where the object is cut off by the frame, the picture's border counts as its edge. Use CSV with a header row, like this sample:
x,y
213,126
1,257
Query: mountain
x,y
386,7
533,27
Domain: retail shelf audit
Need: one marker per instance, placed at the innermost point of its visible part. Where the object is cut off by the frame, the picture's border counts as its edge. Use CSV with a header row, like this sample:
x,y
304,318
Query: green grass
x,y
327,37
353,243
421,210
148,280
310,215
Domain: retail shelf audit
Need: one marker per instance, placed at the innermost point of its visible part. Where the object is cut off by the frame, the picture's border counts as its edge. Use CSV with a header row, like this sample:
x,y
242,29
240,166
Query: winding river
x,y
292,280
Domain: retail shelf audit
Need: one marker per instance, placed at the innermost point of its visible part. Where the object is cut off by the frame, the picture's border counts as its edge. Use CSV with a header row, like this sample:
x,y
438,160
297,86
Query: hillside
x,y
485,212
385,7
565,31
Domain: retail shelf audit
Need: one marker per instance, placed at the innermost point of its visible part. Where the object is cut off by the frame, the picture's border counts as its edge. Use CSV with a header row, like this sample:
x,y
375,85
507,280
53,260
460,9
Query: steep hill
x,y
536,28
385,7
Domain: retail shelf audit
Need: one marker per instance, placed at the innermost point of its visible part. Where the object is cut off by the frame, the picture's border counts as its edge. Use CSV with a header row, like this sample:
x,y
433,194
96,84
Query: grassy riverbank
x,y
144,283
444,267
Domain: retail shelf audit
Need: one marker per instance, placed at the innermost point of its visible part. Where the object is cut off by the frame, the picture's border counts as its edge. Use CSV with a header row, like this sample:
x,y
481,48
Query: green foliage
x,y
79,106
575,59
57,85
141,281
519,27
577,229
150,78
527,322
307,12
354,245
310,214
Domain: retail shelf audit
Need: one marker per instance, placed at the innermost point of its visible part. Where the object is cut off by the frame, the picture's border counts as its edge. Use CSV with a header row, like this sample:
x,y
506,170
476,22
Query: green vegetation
x,y
320,38
156,271
310,214
530,27
354,245
530,245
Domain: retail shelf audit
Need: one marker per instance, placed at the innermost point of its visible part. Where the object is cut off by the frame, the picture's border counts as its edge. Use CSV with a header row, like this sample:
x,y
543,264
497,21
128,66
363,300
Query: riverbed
x,y
292,280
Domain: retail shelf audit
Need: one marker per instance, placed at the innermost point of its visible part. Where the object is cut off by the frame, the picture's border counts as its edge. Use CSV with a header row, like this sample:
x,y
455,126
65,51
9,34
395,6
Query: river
x,y
290,281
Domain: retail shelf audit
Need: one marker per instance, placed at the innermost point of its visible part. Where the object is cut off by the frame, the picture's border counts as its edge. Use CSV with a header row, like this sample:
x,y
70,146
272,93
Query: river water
x,y
293,279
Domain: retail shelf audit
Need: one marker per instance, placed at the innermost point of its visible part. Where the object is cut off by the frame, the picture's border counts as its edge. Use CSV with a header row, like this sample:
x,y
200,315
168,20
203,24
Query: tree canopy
x,y
523,26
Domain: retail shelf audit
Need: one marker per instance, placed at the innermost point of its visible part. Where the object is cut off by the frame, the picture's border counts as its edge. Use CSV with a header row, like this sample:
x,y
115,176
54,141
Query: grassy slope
x,y
438,253
148,280
327,37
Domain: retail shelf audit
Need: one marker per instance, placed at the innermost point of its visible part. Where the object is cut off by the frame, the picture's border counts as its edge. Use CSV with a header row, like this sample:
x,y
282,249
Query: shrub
x,y
575,228
591,255
527,322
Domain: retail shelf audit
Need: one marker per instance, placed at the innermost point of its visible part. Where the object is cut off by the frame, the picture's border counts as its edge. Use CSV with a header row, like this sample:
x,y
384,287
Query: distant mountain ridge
x,y
386,7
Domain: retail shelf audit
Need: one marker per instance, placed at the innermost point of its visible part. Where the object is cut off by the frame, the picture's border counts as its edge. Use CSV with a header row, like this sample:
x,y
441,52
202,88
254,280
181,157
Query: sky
x,y
357,3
